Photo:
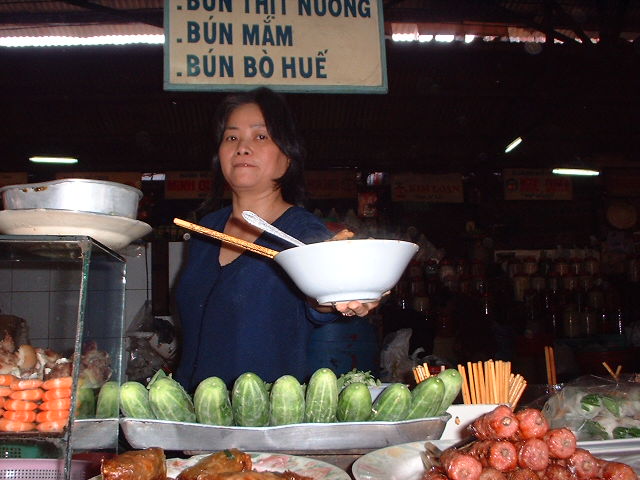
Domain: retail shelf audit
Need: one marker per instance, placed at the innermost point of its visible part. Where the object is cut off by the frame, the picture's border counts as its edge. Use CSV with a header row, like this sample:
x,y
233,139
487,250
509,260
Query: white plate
x,y
623,445
112,231
399,462
462,416
273,462
403,462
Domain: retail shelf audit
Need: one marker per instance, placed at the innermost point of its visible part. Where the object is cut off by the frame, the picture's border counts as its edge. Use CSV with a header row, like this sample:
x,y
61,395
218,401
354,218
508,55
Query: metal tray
x,y
95,434
307,437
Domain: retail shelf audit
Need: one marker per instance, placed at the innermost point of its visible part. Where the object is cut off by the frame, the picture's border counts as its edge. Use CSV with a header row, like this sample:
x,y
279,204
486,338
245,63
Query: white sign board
x,y
330,46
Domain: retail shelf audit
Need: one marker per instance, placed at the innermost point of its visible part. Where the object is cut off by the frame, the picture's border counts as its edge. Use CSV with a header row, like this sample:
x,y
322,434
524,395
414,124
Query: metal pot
x,y
75,194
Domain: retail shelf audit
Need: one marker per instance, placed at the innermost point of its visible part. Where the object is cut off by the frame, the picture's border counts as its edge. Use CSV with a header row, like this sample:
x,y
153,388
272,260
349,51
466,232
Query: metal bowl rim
x,y
6,188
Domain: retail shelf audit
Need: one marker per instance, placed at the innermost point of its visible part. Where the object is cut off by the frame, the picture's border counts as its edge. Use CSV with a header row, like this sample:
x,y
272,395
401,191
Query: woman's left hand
x,y
354,307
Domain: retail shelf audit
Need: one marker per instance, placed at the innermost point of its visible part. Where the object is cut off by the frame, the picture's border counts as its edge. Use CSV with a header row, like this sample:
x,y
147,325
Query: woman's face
x,y
249,158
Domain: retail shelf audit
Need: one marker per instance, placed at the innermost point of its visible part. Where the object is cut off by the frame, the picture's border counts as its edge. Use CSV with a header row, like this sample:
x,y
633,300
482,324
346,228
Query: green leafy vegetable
x,y
626,432
611,404
596,430
590,402
358,376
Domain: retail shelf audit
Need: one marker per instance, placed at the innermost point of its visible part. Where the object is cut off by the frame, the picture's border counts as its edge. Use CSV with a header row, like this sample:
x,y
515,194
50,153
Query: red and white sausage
x,y
533,454
492,474
561,442
460,466
501,423
434,475
556,471
618,471
584,464
498,454
532,424
522,474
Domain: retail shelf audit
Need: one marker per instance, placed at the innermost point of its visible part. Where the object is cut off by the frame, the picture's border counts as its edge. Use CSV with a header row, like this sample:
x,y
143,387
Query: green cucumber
x,y
392,405
108,404
134,401
321,397
452,386
287,401
354,403
426,398
169,401
250,401
212,402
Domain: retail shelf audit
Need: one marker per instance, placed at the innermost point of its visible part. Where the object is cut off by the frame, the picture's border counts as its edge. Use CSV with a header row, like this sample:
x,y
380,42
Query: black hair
x,y
281,126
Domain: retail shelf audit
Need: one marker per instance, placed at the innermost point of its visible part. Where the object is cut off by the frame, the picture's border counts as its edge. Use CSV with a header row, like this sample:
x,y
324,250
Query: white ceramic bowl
x,y
345,270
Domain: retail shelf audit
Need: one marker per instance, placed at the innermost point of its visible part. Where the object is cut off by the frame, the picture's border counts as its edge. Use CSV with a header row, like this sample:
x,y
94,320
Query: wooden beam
x,y
565,17
152,17
114,12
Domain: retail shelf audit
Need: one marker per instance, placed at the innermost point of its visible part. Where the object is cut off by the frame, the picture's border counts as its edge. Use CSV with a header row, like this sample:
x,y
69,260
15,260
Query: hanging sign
x,y
331,184
332,46
535,184
411,187
185,185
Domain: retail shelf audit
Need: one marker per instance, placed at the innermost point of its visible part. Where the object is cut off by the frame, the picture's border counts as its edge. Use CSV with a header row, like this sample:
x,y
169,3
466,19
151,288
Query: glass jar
x,y
585,282
561,267
572,325
514,267
530,265
575,266
591,322
446,270
538,283
591,265
521,284
570,282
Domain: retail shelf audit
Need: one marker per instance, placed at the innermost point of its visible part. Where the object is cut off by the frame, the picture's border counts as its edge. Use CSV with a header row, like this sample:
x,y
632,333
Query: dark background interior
x,y
449,108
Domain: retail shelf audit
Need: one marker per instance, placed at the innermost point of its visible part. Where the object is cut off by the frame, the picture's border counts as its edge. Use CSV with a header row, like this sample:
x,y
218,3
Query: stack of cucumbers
x,y
254,403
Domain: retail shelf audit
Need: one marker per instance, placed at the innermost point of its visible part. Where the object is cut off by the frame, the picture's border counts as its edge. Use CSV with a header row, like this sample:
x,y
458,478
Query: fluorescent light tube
x,y
43,159
585,172
513,145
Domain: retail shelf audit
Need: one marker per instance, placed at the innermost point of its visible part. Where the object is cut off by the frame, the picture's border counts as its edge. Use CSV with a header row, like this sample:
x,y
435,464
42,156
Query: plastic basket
x,y
16,450
41,469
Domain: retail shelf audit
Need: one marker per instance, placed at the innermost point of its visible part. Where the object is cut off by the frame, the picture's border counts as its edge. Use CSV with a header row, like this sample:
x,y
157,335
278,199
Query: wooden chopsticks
x,y
616,374
252,247
421,372
491,382
550,362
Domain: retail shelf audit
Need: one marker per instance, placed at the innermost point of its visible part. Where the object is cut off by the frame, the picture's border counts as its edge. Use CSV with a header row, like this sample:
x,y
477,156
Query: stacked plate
x,y
103,210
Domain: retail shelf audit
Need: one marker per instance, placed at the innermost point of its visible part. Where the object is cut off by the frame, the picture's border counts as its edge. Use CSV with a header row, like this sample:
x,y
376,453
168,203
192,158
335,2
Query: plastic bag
x,y
596,408
395,363
152,344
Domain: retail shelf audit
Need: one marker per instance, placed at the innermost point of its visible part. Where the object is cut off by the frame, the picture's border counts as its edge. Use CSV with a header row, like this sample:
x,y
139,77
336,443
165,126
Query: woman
x,y
240,311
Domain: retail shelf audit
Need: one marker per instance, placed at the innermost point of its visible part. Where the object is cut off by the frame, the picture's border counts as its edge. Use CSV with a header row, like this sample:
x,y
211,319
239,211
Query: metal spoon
x,y
262,224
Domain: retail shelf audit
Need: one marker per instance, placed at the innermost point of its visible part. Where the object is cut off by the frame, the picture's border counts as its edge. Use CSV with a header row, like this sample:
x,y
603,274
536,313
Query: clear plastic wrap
x,y
597,408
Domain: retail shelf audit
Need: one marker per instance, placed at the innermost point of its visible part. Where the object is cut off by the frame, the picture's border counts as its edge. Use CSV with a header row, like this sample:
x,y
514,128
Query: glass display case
x,y
64,297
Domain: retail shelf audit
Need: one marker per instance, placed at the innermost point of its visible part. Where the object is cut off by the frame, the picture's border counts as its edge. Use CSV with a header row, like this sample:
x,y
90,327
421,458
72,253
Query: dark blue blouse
x,y
247,316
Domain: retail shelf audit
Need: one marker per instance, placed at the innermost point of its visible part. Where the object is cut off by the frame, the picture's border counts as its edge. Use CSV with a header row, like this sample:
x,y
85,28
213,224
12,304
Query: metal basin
x,y
76,194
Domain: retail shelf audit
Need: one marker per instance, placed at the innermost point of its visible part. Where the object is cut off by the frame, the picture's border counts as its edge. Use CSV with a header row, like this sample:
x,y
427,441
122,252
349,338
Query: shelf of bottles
x,y
543,293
